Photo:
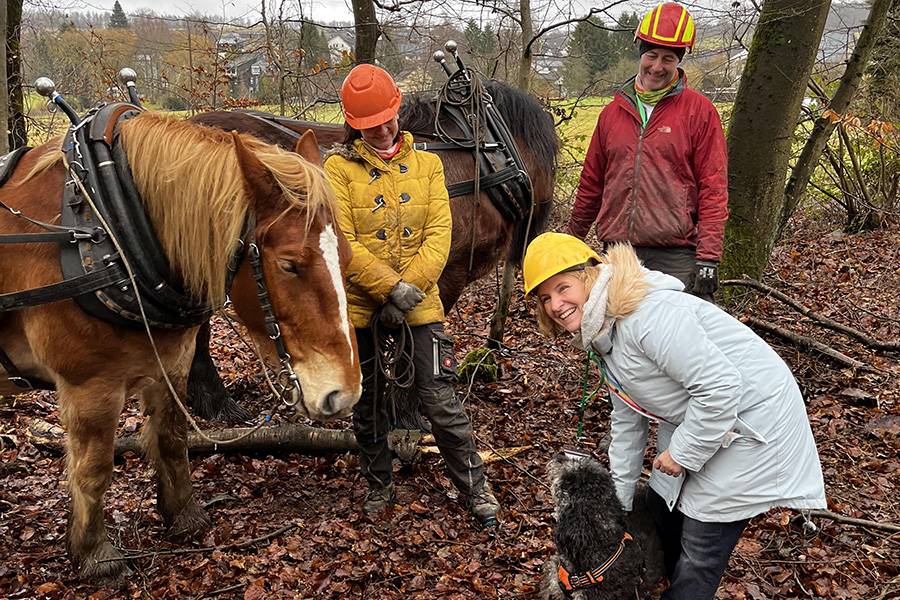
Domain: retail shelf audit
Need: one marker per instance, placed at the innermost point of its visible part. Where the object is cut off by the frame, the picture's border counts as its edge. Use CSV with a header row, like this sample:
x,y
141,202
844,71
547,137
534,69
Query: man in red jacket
x,y
655,173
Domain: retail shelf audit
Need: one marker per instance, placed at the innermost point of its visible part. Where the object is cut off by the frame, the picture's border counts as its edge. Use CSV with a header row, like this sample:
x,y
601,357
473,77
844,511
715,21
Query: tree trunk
x,y
4,92
824,125
762,128
525,59
18,136
367,31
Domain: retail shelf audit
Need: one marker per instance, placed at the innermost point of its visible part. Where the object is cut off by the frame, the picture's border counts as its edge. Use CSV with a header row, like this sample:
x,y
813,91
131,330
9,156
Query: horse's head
x,y
303,254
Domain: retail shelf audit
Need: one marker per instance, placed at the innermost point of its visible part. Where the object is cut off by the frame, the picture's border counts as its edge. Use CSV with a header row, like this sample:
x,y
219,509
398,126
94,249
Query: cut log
x,y
286,437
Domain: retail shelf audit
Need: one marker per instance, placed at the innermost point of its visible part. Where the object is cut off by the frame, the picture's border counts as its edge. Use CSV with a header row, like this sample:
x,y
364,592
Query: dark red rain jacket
x,y
663,185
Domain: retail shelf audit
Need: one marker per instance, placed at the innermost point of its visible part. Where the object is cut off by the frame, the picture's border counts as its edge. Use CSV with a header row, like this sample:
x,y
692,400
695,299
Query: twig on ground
x,y
226,547
827,514
822,320
807,342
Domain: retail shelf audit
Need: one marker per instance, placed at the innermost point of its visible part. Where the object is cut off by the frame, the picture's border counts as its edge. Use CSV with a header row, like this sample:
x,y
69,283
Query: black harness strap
x,y
15,377
112,275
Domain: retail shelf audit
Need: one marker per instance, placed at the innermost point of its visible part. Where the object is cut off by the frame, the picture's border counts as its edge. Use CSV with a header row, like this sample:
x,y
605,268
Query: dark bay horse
x,y
480,232
197,185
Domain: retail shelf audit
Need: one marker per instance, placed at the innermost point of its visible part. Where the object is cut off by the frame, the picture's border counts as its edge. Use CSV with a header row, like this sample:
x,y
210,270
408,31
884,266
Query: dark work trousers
x,y
449,422
680,263
696,552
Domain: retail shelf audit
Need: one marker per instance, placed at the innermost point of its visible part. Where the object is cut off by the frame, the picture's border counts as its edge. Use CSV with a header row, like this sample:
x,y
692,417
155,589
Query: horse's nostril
x,y
331,404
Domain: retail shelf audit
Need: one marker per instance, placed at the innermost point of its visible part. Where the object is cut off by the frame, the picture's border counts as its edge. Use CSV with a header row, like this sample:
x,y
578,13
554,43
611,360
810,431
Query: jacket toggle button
x,y
407,232
379,202
374,174
381,234
404,198
403,168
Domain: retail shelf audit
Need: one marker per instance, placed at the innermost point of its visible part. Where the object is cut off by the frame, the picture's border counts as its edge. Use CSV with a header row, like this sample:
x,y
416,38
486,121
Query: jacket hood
x,y
617,293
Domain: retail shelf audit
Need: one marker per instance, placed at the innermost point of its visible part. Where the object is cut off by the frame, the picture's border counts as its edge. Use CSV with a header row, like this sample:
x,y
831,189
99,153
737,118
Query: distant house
x,y
244,74
340,45
549,68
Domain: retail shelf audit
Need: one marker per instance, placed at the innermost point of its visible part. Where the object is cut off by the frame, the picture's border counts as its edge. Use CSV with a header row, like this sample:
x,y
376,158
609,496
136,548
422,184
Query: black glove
x,y
405,296
706,281
391,316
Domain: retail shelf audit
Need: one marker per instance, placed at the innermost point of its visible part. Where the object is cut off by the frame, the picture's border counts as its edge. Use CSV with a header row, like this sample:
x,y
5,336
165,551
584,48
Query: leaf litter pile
x,y
290,525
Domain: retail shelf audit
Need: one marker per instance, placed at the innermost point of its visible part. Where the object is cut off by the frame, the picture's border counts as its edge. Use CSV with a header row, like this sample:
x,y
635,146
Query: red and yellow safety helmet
x,y
669,24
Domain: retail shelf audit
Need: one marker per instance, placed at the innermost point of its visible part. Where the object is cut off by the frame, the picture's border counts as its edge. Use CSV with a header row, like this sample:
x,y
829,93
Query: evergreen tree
x,y
117,19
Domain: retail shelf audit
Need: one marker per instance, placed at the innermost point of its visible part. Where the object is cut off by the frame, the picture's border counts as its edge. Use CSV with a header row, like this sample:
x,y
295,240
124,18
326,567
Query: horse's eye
x,y
288,266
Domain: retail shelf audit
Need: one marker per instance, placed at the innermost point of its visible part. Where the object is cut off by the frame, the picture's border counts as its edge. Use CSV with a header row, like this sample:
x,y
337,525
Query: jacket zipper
x,y
634,181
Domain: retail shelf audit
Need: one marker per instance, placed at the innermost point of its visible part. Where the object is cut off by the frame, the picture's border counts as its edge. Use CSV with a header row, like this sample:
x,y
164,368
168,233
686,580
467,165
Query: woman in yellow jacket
x,y
394,209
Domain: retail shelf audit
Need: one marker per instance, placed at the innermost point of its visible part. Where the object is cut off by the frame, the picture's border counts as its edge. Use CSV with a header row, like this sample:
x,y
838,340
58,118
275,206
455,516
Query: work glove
x,y
405,296
391,316
706,281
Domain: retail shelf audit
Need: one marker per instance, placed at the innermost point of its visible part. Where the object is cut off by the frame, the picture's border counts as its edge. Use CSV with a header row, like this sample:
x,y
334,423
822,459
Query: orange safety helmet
x,y
369,96
669,25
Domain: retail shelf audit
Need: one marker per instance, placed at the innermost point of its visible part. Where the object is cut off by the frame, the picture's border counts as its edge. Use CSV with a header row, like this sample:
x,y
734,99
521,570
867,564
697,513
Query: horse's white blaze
x,y
328,242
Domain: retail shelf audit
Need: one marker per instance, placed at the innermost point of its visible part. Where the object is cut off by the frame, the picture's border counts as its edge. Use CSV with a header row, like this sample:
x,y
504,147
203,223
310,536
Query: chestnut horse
x,y
480,232
197,185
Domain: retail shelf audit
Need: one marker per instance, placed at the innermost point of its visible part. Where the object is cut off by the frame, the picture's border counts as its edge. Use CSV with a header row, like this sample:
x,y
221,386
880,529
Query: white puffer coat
x,y
730,410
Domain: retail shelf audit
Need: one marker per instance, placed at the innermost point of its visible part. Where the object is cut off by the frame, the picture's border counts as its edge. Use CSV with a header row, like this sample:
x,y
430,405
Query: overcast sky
x,y
316,10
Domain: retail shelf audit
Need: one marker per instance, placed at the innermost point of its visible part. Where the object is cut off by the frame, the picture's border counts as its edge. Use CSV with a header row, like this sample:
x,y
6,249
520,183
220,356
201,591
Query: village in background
x,y
199,63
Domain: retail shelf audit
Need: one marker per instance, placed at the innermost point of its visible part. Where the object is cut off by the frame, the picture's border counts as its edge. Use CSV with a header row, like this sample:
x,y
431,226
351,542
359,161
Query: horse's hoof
x,y
189,522
105,563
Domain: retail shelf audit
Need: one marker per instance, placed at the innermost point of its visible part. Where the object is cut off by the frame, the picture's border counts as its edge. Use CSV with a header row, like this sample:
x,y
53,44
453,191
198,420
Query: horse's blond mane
x,y
191,183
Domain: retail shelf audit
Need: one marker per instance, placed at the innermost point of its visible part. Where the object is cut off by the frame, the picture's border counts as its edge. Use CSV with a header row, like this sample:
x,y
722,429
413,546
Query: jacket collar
x,y
359,151
628,96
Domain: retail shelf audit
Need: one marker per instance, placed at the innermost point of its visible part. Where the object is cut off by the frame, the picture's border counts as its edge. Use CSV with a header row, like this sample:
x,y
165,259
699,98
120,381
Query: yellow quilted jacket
x,y
396,216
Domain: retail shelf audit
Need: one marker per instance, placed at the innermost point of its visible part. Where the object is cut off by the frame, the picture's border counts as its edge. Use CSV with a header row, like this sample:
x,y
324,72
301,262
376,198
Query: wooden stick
x,y
827,514
806,342
226,547
817,317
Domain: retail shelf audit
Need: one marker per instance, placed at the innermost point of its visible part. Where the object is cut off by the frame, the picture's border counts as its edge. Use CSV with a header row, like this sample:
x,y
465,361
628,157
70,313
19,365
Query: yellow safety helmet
x,y
551,253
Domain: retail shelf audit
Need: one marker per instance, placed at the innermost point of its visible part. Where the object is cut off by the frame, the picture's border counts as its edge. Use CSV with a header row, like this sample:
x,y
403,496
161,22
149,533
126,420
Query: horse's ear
x,y
308,147
262,189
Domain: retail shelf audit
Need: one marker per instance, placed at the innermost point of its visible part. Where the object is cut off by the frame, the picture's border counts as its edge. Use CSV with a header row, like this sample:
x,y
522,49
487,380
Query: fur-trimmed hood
x,y
617,294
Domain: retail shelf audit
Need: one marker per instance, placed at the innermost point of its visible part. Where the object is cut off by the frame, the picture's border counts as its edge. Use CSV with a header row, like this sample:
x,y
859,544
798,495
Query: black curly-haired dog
x,y
590,530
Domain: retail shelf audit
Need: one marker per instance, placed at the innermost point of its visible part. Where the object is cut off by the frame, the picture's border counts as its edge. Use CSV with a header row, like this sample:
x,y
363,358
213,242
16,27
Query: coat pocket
x,y
742,431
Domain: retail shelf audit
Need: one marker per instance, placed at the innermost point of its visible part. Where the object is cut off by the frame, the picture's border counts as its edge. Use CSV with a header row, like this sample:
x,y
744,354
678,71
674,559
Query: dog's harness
x,y
569,582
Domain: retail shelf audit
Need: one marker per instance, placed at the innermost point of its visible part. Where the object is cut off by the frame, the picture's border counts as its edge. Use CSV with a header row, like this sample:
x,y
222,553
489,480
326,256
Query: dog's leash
x,y
585,396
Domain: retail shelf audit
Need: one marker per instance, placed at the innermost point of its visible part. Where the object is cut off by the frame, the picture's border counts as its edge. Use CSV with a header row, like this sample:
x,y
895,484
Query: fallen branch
x,y
822,320
287,437
224,548
827,514
806,342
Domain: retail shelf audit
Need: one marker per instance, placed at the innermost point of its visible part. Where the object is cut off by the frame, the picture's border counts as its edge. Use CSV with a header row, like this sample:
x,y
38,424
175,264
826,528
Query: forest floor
x,y
428,546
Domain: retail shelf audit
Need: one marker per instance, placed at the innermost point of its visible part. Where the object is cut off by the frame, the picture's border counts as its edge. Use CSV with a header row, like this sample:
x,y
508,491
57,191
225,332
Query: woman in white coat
x,y
733,436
